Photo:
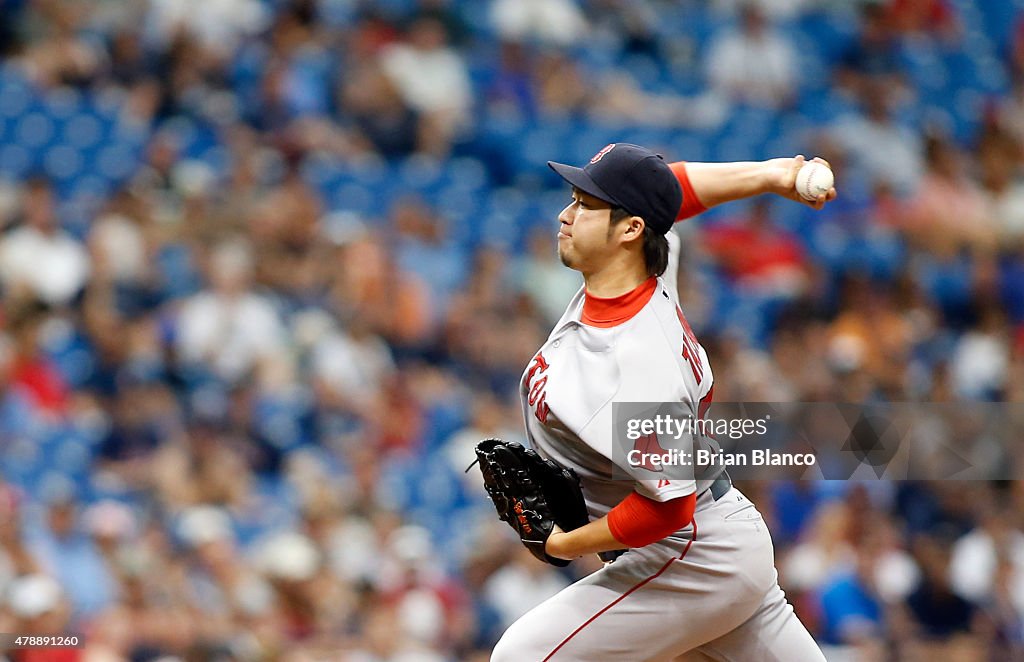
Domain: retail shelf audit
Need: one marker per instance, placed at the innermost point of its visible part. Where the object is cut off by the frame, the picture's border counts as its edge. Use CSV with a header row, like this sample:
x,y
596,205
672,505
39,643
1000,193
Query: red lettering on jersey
x,y
663,483
538,364
542,410
705,403
537,394
691,348
537,389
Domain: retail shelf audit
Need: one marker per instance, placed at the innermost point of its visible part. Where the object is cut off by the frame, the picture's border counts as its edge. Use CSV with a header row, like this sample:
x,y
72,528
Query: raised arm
x,y
706,185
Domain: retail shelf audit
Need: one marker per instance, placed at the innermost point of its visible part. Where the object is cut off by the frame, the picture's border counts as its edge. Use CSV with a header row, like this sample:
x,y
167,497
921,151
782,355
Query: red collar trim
x,y
607,312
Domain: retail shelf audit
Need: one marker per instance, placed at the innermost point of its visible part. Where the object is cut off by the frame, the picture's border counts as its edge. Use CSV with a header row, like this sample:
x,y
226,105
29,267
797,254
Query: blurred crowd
x,y
270,268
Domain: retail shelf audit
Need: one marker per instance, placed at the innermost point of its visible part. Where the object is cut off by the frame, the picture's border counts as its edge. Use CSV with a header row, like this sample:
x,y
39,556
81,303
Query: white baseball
x,y
814,179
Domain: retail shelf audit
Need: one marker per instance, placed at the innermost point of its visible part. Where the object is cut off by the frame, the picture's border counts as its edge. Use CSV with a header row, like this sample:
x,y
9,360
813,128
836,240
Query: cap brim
x,y
579,178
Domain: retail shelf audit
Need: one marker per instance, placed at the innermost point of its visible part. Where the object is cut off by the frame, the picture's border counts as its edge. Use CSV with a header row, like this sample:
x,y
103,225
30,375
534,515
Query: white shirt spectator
x,y
119,244
557,22
429,75
52,265
776,10
979,364
972,567
230,334
352,367
229,327
217,24
1008,210
754,64
515,589
884,150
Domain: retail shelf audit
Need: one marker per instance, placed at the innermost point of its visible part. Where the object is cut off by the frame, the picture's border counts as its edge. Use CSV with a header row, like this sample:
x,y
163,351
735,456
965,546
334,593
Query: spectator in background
x,y
36,606
67,553
38,258
876,143
928,18
851,609
350,365
874,54
118,250
488,421
519,585
366,283
31,371
432,79
16,559
424,248
510,89
1009,110
757,254
1004,608
552,22
870,333
949,212
774,10
624,100
562,90
824,551
754,64
993,551
978,365
934,608
1003,186
543,277
228,328
10,13
429,606
371,102
218,25
112,526
62,56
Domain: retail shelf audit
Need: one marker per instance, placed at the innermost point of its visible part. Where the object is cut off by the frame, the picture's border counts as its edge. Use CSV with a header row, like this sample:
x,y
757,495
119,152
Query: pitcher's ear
x,y
636,227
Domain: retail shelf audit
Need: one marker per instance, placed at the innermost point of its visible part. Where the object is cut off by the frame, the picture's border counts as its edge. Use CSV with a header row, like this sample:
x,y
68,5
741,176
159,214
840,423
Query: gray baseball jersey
x,y
706,592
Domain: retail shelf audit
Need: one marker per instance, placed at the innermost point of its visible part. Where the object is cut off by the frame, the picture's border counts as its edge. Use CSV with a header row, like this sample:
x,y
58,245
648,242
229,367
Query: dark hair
x,y
655,244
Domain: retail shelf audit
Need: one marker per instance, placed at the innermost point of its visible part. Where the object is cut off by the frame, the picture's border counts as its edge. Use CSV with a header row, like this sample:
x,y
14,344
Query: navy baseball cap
x,y
633,178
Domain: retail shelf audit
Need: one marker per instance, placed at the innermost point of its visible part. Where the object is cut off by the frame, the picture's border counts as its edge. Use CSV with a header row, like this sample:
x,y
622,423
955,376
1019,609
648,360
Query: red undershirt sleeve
x,y
691,203
639,521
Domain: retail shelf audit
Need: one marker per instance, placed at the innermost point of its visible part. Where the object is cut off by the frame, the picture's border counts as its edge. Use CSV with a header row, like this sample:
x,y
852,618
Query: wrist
x,y
555,545
771,177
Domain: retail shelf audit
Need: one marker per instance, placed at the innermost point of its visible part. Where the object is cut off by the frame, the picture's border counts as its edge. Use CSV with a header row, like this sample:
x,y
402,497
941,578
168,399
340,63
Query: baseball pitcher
x,y
690,572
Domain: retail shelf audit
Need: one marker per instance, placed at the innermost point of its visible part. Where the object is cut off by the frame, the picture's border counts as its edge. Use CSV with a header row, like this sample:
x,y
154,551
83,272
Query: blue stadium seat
x,y
15,98
420,174
83,130
63,103
117,162
72,456
35,130
15,160
63,162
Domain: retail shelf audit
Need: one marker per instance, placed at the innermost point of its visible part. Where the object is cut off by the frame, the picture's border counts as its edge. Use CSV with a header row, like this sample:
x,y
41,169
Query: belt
x,y
721,486
718,489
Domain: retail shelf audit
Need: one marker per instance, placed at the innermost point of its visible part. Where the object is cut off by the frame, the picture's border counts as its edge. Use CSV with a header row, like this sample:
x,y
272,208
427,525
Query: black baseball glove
x,y
531,494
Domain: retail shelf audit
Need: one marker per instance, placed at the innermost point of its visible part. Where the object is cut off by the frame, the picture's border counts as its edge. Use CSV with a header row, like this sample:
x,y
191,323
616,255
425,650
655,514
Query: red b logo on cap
x,y
600,155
